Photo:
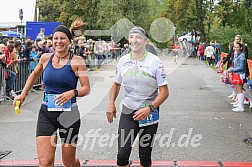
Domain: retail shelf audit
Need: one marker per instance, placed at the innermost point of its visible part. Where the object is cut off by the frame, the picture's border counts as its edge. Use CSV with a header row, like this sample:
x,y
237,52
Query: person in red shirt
x,y
10,76
201,52
175,52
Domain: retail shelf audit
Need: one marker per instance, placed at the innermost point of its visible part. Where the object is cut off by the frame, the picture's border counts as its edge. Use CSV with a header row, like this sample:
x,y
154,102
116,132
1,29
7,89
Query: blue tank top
x,y
59,80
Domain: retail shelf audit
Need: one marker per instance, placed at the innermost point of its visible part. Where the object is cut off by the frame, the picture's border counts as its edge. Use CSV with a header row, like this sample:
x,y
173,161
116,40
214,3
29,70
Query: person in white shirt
x,y
143,78
210,54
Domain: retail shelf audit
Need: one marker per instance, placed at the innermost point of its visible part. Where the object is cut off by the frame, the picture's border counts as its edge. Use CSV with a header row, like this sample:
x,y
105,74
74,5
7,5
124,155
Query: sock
x,y
240,101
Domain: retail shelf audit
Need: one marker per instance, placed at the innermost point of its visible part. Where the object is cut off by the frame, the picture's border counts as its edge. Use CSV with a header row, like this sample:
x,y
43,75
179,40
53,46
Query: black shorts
x,y
67,122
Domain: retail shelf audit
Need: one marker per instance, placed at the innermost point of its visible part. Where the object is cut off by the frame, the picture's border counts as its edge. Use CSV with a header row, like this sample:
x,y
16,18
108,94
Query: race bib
x,y
52,106
153,118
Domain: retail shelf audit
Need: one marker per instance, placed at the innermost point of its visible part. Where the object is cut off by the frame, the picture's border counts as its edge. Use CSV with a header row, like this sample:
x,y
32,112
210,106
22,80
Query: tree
x,y
49,10
186,20
201,15
246,7
118,15
67,11
109,14
200,9
226,34
88,10
224,10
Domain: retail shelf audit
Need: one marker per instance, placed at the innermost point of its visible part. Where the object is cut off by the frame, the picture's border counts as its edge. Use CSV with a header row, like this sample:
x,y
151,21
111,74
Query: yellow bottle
x,y
17,108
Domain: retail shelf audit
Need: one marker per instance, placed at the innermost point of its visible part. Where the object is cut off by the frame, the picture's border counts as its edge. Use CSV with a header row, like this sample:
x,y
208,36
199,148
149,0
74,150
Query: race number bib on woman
x,y
52,106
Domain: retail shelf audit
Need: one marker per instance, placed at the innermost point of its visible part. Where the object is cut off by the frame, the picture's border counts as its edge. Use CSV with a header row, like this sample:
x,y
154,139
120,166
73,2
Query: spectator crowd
x,y
20,57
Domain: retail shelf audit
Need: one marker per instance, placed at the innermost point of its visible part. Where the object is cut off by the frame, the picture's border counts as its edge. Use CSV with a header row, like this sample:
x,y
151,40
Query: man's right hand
x,y
111,112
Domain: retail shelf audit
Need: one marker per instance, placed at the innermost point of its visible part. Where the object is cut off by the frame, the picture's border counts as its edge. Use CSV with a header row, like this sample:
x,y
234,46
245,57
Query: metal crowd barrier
x,y
3,96
93,61
22,73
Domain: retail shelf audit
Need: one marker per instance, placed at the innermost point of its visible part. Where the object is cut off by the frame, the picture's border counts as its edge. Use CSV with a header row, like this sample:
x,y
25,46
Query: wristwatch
x,y
75,93
151,107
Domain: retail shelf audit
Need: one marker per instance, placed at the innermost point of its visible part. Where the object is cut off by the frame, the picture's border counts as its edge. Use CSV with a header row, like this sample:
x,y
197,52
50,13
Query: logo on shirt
x,y
128,64
136,72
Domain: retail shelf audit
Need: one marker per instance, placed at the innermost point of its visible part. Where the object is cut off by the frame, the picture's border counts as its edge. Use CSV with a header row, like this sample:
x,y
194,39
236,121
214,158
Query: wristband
x,y
151,107
75,93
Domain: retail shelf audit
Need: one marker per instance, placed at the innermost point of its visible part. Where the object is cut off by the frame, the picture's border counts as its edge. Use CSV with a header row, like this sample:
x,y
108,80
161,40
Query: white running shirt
x,y
140,79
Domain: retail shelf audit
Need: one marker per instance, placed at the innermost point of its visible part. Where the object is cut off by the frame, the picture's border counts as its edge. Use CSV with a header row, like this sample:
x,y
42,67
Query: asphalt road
x,y
196,121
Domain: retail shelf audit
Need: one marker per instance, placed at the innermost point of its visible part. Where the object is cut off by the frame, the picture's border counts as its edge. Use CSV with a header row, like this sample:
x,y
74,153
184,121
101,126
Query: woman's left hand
x,y
142,113
64,97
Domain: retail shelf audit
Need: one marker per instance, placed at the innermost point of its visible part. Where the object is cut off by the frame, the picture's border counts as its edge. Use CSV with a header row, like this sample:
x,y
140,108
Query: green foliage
x,y
49,10
220,20
98,14
226,34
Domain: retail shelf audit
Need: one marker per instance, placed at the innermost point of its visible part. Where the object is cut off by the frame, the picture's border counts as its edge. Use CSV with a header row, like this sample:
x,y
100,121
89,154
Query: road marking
x,y
134,163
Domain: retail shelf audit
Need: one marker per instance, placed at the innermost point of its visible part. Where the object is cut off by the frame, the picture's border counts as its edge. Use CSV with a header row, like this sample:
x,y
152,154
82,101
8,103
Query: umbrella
x,y
9,34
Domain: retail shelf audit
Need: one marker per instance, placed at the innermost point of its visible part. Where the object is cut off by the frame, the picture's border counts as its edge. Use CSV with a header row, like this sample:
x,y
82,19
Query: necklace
x,y
60,58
